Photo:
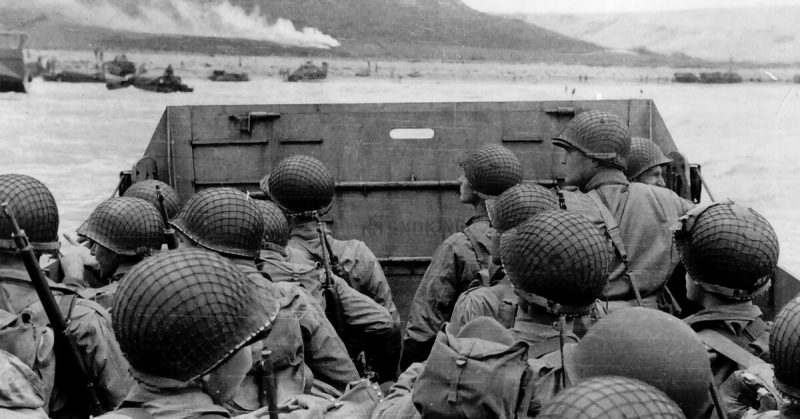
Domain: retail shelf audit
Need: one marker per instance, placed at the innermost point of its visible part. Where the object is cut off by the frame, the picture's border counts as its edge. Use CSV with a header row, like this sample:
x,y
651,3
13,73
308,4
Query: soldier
x,y
637,217
498,300
368,326
611,397
23,347
558,263
730,253
88,323
186,320
647,345
307,351
646,162
761,393
302,184
457,263
146,189
122,231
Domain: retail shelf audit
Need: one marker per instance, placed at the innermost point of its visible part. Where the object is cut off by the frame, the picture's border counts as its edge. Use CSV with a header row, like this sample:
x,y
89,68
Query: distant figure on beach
x,y
573,91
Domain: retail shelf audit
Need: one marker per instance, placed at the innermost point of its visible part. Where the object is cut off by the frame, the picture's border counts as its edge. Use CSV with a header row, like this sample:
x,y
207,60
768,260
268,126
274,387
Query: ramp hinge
x,y
246,121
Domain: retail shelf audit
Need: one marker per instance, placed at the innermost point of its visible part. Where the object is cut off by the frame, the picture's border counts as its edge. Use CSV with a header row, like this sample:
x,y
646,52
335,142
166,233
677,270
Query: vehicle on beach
x,y
309,71
14,76
153,84
395,165
222,75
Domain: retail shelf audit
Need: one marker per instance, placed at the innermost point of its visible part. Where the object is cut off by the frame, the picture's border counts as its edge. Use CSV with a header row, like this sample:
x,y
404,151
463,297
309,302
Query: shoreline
x,y
258,67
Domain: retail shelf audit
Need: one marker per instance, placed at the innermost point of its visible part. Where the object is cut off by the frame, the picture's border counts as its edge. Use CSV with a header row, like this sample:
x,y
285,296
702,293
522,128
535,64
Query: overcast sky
x,y
611,6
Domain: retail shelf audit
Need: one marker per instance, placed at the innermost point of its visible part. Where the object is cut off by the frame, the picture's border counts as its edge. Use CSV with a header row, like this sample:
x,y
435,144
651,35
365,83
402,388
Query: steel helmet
x,y
301,184
33,207
650,346
519,203
491,169
611,398
126,226
146,189
180,314
728,249
784,348
558,256
224,220
276,227
600,135
644,155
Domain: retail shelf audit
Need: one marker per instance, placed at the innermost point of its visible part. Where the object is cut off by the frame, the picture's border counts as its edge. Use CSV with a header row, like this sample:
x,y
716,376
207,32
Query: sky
x,y
612,6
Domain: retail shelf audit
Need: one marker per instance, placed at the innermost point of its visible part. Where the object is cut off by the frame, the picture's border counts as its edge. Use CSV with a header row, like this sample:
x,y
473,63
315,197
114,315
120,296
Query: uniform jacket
x,y
366,274
304,346
90,324
645,215
369,326
22,393
163,398
398,403
730,321
497,301
453,268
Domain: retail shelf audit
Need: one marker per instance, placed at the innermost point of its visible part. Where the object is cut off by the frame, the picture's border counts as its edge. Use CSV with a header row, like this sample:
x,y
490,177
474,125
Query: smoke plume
x,y
184,17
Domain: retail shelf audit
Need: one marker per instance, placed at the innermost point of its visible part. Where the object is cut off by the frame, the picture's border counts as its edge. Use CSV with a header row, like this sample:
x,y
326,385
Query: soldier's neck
x,y
480,208
710,300
9,261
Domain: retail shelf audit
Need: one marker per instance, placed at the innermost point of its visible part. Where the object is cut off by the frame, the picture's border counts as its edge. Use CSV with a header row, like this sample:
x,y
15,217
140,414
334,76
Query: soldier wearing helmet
x,y
611,397
301,185
146,189
459,261
307,348
369,327
730,253
558,263
122,231
189,322
498,300
646,162
90,324
637,217
650,346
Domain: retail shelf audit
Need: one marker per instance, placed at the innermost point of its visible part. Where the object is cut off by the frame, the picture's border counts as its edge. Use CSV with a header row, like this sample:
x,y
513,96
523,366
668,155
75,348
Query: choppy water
x,y
77,137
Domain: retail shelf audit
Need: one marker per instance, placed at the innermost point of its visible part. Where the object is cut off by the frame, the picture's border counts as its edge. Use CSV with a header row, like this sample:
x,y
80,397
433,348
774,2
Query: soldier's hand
x,y
74,258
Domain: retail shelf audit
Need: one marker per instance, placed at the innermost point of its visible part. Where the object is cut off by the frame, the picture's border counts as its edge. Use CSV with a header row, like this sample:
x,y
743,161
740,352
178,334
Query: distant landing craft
x,y
14,76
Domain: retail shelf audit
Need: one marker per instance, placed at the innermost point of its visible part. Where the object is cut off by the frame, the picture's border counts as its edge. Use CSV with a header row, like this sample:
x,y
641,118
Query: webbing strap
x,y
612,229
718,342
478,254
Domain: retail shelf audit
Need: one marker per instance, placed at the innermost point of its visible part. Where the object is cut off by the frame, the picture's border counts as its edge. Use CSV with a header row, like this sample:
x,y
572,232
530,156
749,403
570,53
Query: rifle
x,y
336,268
63,339
333,304
169,232
267,386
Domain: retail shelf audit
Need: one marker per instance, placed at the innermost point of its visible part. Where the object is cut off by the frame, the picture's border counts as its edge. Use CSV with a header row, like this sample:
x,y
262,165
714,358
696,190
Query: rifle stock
x,y
333,304
169,233
268,387
57,322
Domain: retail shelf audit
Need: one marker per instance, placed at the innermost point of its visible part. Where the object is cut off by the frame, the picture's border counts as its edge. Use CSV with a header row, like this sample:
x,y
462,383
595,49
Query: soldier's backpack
x,y
482,372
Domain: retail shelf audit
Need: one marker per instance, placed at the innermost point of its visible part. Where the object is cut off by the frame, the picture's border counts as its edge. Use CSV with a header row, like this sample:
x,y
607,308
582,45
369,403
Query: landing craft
x,y
14,76
395,165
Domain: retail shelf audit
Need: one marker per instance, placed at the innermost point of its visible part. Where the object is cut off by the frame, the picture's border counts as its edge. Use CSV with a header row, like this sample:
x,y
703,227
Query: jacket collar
x,y
603,177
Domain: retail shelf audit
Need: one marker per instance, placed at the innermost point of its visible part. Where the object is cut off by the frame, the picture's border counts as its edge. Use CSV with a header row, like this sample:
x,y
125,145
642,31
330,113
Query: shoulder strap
x,y
134,413
476,248
65,305
728,348
612,229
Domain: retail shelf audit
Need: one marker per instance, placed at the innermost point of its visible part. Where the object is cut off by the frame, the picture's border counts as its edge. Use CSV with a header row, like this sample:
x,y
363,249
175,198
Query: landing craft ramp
x,y
395,164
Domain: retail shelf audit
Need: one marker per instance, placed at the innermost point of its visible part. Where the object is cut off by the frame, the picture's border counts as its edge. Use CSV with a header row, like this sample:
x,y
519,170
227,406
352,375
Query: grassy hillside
x,y
765,35
404,29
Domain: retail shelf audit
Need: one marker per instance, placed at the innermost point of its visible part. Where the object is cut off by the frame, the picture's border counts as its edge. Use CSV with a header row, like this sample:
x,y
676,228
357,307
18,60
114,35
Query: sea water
x,y
76,138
